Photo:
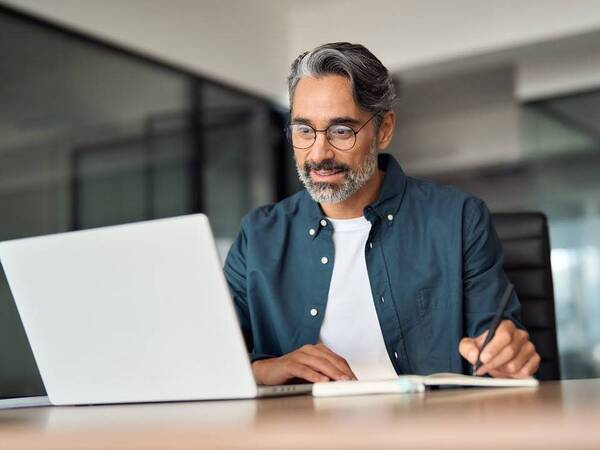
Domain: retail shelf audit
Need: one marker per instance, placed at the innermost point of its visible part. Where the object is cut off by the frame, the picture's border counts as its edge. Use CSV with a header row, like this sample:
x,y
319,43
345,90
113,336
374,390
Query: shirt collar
x,y
385,207
392,190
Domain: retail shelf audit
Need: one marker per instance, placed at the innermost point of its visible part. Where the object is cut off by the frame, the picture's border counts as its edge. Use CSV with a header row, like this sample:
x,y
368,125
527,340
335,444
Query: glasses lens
x,y
302,136
341,137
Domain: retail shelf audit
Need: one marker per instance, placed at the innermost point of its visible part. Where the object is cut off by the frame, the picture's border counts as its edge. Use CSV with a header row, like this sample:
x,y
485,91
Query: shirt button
x,y
395,355
390,217
323,223
382,300
324,260
370,245
314,312
312,231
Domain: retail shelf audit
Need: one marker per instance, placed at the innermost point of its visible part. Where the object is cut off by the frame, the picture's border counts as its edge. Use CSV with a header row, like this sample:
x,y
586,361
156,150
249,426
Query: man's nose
x,y
321,149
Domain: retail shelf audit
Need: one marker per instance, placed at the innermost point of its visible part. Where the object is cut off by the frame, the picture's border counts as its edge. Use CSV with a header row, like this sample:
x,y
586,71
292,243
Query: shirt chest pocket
x,y
433,322
429,299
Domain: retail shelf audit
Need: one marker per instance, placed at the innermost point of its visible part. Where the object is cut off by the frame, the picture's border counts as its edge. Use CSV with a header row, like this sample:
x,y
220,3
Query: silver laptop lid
x,y
129,313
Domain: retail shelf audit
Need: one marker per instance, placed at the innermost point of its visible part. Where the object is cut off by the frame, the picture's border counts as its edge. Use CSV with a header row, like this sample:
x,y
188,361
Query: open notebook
x,y
414,383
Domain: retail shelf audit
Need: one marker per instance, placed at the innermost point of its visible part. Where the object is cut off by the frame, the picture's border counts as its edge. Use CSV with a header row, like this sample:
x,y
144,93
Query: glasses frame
x,y
288,132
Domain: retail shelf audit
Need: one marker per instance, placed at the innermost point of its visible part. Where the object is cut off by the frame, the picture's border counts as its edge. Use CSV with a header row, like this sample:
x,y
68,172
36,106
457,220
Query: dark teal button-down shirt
x,y
433,258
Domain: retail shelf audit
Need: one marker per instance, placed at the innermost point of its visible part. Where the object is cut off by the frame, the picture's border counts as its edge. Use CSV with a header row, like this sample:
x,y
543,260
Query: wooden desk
x,y
556,415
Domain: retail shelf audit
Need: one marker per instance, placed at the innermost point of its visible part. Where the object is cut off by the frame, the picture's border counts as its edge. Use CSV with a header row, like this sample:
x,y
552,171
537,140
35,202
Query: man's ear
x,y
386,130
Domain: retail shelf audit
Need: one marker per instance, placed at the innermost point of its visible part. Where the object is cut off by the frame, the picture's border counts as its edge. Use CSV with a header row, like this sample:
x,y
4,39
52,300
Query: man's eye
x,y
341,131
303,129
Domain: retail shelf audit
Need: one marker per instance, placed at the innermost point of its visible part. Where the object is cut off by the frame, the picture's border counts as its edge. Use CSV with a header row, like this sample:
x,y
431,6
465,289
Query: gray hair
x,y
372,87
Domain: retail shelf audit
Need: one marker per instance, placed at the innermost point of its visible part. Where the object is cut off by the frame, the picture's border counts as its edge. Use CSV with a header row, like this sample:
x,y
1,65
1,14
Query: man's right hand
x,y
312,363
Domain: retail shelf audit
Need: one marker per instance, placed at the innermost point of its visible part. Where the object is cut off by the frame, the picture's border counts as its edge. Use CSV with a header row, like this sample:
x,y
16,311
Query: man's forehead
x,y
324,98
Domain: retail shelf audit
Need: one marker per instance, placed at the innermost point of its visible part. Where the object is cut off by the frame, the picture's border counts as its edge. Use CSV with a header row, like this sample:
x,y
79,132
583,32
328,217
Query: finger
x,y
530,367
468,349
321,364
326,349
502,337
479,340
507,354
340,363
519,361
335,356
526,371
297,370
498,373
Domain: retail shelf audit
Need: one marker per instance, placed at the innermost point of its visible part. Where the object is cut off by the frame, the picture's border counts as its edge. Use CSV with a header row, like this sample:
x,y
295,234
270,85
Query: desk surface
x,y
556,415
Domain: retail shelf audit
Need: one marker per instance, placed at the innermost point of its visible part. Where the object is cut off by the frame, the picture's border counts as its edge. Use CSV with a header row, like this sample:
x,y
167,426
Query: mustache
x,y
327,164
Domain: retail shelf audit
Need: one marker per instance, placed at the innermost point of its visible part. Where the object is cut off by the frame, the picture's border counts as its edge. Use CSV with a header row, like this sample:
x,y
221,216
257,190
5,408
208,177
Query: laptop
x,y
132,313
20,381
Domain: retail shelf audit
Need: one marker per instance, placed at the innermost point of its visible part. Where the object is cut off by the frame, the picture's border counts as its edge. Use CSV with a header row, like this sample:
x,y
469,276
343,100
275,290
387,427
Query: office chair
x,y
526,244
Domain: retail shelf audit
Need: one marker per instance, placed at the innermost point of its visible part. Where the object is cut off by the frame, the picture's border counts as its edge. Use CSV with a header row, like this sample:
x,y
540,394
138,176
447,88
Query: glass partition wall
x,y
92,135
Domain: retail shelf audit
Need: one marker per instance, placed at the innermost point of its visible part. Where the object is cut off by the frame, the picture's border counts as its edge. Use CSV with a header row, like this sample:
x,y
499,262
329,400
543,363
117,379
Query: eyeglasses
x,y
341,137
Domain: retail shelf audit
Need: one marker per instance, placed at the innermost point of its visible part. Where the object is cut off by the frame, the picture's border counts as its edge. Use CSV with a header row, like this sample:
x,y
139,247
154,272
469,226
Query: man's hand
x,y
312,363
510,353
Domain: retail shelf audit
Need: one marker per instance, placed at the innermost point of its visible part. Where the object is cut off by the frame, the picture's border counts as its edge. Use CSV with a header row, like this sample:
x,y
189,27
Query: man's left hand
x,y
510,353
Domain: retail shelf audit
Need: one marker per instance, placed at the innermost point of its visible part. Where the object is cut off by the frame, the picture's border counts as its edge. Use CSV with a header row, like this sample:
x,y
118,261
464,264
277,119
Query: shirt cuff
x,y
258,356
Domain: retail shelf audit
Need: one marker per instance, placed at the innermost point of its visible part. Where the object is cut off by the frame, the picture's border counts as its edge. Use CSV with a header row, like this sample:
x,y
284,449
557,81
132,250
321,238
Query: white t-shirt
x,y
350,327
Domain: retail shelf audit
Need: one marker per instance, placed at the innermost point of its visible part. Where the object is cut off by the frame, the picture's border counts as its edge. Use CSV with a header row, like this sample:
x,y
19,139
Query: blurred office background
x,y
119,111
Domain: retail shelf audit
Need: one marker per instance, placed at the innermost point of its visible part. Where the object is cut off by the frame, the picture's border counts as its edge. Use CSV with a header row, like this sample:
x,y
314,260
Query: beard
x,y
352,182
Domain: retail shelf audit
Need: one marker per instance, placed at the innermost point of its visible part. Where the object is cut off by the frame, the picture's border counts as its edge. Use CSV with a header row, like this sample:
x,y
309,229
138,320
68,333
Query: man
x,y
368,273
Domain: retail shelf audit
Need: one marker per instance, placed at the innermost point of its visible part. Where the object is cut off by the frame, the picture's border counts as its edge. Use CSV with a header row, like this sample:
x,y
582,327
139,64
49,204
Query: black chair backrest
x,y
526,244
